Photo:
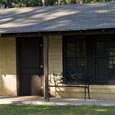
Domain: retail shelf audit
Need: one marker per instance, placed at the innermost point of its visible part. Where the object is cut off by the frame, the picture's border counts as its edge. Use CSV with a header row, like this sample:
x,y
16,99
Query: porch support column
x,y
45,60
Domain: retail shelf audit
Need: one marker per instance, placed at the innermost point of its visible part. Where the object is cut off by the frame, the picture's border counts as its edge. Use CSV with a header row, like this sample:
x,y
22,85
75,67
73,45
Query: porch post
x,y
45,60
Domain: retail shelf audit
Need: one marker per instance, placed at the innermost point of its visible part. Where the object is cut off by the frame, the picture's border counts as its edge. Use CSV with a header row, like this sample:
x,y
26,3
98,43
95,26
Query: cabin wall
x,y
8,79
55,54
56,66
96,92
55,57
8,82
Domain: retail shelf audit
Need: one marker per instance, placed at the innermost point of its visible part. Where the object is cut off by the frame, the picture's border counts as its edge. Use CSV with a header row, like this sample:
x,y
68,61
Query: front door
x,y
29,66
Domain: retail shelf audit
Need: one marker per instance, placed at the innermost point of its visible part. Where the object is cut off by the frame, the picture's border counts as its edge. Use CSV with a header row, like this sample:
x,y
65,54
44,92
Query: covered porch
x,y
61,55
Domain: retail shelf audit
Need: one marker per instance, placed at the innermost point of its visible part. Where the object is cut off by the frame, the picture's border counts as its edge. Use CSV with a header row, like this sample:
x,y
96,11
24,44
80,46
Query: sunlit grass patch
x,y
55,110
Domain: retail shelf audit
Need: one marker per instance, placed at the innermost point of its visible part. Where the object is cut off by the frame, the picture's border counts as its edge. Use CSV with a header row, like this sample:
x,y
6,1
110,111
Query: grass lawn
x,y
56,110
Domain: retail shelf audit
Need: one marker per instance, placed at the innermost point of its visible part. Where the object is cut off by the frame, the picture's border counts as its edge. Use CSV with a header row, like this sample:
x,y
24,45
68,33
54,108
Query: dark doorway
x,y
29,66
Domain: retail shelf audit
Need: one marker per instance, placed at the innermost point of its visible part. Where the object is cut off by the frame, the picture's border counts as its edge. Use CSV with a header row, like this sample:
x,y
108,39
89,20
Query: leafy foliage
x,y
31,3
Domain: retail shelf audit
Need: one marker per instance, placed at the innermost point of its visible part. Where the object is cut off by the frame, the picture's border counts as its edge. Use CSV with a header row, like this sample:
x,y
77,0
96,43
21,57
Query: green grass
x,y
56,110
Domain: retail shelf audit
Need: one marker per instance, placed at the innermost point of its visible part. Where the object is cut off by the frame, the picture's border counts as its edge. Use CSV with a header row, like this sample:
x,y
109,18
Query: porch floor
x,y
35,100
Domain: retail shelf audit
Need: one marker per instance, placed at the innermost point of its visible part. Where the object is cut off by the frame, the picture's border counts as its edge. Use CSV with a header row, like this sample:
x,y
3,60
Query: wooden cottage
x,y
36,42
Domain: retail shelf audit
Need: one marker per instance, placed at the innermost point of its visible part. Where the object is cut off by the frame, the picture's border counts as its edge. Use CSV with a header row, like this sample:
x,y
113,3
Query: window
x,y
94,55
75,56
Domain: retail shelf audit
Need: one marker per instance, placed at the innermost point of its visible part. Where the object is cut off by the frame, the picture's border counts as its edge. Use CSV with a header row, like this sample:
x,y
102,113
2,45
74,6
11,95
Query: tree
x,y
32,3
6,3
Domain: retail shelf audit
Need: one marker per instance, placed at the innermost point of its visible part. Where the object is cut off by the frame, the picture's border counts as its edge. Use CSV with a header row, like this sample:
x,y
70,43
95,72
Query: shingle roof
x,y
58,18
